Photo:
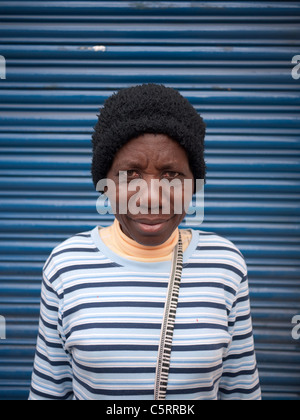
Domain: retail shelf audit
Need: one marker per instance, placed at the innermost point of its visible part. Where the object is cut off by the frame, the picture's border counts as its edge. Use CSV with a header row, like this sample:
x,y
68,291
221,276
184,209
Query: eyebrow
x,y
137,165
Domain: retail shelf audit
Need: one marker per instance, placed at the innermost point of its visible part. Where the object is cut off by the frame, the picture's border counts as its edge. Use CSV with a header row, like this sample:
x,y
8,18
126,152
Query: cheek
x,y
118,196
181,197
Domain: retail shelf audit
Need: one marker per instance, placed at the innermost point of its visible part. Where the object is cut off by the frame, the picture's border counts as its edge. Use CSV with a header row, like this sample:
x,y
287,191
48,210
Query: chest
x,y
125,314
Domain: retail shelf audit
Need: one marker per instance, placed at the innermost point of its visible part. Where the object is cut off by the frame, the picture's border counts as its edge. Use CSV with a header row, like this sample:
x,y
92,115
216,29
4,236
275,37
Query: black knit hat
x,y
147,109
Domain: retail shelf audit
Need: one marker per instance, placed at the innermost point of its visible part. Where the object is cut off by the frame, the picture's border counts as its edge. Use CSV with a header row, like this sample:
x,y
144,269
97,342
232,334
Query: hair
x,y
147,109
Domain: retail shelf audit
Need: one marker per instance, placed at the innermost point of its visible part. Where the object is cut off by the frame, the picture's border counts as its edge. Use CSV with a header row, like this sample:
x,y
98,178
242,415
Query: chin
x,y
150,232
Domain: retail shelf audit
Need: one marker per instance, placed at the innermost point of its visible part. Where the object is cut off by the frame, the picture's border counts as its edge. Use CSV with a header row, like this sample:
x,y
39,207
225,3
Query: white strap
x,y
167,330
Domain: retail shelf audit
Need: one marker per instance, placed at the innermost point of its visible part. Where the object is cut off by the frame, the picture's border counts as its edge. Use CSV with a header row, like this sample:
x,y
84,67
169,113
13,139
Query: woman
x,y
143,309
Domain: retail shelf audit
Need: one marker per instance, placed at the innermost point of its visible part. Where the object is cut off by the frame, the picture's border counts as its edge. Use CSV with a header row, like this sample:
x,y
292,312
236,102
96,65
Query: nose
x,y
156,196
149,195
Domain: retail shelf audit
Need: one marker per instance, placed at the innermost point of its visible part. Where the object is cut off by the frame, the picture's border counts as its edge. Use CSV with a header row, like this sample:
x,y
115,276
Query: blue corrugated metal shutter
x,y
233,61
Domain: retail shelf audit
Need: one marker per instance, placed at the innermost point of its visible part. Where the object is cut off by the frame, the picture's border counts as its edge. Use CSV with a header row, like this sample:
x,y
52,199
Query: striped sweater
x,y
101,317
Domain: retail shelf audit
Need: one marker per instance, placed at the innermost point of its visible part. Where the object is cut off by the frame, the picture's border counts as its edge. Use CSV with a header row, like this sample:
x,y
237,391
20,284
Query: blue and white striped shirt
x,y
101,317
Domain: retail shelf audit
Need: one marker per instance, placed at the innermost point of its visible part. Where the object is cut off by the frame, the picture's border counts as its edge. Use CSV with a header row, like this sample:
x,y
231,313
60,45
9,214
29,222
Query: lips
x,y
150,226
150,222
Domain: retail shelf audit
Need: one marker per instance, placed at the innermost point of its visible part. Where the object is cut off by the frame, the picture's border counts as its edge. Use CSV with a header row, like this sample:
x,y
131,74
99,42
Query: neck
x,y
115,239
133,249
121,244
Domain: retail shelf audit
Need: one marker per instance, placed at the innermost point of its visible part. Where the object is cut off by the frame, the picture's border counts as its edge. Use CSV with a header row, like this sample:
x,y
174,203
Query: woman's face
x,y
150,157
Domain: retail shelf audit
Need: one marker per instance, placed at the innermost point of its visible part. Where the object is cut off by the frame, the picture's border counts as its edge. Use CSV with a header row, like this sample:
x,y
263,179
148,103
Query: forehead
x,y
156,148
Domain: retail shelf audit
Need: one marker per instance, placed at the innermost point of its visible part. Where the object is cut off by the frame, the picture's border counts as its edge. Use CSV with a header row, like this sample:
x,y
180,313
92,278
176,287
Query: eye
x,y
130,174
171,174
133,174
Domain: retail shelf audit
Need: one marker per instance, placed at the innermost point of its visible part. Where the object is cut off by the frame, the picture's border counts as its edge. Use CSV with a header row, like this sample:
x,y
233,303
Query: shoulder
x,y
213,241
81,242
219,252
78,250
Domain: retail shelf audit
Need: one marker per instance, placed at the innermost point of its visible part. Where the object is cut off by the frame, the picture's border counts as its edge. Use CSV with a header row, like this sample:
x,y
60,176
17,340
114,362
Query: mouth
x,y
150,226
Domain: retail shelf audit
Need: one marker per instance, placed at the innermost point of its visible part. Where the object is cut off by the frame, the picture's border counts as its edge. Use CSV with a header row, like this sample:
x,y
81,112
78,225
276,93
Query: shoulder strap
x,y
167,330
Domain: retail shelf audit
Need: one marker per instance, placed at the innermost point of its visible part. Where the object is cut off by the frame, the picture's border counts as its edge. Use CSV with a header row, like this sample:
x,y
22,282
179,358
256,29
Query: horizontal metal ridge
x,y
215,8
233,61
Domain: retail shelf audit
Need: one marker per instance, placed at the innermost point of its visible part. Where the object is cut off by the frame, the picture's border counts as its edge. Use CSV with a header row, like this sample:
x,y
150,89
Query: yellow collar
x,y
121,244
